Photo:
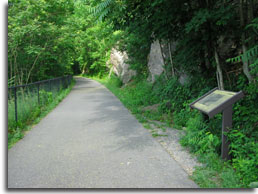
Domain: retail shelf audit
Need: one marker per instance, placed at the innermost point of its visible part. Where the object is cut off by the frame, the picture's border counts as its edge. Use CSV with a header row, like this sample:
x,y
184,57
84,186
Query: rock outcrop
x,y
120,67
155,61
159,53
183,78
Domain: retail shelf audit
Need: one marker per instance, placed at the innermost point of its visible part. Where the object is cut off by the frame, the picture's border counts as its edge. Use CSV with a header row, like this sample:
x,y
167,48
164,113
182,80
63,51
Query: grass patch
x,y
147,126
158,135
31,113
216,173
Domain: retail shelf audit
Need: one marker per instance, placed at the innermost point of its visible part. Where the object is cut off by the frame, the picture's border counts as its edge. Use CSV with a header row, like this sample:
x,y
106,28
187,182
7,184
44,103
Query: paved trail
x,y
90,140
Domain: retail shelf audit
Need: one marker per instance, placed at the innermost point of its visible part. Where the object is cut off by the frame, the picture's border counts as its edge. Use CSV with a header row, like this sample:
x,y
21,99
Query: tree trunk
x,y
171,61
84,70
31,69
206,55
10,68
15,68
246,66
250,11
34,63
219,71
163,58
244,48
111,71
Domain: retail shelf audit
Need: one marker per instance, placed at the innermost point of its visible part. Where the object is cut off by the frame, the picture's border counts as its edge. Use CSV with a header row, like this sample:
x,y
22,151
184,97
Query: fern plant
x,y
251,55
247,56
102,9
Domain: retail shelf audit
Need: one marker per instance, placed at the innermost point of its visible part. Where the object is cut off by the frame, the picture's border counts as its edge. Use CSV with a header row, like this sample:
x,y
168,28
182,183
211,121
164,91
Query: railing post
x,y
65,82
38,94
49,83
62,82
58,84
15,105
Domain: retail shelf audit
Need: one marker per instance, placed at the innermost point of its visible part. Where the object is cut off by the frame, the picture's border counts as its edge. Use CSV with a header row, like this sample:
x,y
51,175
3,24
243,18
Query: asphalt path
x,y
90,140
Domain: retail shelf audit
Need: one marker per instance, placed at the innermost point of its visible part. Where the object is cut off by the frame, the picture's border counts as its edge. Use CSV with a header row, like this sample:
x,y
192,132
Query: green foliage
x,y
93,41
130,40
45,97
248,55
245,155
11,81
199,137
253,26
198,19
216,173
36,46
181,117
138,93
178,95
251,55
43,44
170,91
102,9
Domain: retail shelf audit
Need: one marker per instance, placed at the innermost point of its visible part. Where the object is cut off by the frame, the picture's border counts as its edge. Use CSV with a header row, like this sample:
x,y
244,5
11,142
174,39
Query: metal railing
x,y
23,99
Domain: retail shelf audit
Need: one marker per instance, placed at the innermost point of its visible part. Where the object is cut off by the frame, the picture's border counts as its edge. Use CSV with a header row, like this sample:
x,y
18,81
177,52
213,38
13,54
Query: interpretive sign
x,y
214,102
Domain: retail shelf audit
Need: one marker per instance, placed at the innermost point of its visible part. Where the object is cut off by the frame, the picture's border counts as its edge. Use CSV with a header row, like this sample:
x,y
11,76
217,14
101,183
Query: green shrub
x,y
245,155
45,97
115,81
171,91
215,173
135,94
199,138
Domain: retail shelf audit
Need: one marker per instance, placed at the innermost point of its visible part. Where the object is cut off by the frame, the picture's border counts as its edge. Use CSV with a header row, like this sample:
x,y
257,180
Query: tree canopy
x,y
50,38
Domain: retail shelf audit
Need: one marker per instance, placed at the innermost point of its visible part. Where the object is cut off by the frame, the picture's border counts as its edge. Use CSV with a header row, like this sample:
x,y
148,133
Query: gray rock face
x,y
159,53
165,48
183,78
120,67
155,61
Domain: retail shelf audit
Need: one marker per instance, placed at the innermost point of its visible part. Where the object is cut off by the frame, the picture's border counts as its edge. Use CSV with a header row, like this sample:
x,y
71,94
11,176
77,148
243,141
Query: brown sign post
x,y
214,102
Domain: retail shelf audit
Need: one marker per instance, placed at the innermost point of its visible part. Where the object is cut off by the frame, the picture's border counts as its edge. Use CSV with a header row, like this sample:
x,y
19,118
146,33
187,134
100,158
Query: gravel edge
x,y
169,139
